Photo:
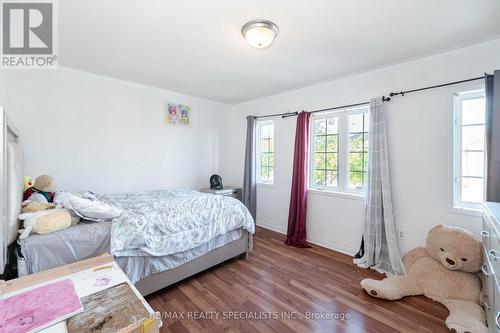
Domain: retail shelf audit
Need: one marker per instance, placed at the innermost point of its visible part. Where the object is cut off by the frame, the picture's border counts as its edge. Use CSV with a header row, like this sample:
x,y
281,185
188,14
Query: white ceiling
x,y
195,46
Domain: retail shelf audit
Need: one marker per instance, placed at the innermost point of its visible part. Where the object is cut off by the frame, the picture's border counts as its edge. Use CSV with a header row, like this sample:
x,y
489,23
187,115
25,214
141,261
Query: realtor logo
x,y
28,34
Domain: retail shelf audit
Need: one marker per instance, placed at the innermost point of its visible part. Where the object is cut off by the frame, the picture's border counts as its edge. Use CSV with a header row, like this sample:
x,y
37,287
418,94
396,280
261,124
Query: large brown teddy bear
x,y
443,271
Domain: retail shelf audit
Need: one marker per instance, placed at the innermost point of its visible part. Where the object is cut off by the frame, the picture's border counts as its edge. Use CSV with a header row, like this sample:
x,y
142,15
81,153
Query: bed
x,y
160,237
202,230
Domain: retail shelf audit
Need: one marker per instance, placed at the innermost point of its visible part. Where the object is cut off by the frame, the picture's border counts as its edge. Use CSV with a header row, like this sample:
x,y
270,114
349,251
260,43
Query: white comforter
x,y
160,223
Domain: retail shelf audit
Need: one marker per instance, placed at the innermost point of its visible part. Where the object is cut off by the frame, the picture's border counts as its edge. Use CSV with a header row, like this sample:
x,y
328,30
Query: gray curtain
x,y
381,249
492,86
249,177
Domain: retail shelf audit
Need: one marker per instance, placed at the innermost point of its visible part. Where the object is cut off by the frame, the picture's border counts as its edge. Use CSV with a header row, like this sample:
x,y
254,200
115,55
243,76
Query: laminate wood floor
x,y
285,289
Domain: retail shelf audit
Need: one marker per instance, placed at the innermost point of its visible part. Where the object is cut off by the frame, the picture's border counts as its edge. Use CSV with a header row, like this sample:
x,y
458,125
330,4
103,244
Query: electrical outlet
x,y
401,234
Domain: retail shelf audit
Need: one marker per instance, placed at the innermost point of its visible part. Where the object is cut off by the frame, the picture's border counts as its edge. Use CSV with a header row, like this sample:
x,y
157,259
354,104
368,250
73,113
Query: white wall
x,y
419,139
93,132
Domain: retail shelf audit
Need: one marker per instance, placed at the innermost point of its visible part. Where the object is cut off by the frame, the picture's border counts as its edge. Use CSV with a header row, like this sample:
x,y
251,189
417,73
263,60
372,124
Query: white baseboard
x,y
333,246
271,227
323,243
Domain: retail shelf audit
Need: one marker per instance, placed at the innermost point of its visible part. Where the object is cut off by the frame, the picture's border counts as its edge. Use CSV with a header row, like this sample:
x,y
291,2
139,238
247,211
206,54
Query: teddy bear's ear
x,y
437,227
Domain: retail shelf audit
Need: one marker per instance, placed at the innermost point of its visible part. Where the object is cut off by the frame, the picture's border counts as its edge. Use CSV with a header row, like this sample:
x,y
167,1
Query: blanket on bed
x,y
160,223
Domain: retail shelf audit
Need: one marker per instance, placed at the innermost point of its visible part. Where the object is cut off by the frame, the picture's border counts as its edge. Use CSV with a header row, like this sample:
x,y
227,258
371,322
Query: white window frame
x,y
258,151
342,152
458,205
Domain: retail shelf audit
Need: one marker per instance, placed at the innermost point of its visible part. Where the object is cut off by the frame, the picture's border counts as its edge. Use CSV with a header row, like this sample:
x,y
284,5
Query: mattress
x,y
90,239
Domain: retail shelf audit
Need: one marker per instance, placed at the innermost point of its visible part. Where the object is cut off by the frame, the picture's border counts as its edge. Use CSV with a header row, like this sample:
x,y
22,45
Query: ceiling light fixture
x,y
260,33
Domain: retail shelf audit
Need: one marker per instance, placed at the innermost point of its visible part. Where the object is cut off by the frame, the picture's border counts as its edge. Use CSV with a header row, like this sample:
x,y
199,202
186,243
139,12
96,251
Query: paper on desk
x,y
98,278
38,308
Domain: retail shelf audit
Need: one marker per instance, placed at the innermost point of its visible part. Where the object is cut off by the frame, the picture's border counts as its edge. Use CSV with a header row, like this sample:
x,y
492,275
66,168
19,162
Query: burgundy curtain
x,y
296,234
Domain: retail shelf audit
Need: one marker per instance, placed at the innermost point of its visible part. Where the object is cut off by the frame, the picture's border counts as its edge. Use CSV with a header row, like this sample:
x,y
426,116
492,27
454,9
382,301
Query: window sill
x,y
465,211
345,195
269,185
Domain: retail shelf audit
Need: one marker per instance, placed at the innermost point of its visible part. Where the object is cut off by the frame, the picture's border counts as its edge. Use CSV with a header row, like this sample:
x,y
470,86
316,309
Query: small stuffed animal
x,y
444,272
45,186
28,187
29,206
42,190
28,182
44,222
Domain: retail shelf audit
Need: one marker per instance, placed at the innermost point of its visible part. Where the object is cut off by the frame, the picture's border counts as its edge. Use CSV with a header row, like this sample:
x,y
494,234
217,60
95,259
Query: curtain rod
x,y
291,114
339,107
385,99
282,115
402,93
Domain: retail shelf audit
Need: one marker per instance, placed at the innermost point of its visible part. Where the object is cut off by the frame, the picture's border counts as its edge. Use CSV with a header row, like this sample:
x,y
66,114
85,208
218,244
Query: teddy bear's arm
x,y
391,288
465,316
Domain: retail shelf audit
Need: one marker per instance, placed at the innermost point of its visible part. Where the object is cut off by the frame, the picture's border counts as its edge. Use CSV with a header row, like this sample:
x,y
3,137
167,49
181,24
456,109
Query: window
x,y
265,152
339,150
326,138
358,150
469,149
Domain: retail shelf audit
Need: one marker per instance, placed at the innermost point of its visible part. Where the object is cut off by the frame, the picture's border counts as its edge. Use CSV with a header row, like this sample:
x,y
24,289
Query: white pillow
x,y
93,210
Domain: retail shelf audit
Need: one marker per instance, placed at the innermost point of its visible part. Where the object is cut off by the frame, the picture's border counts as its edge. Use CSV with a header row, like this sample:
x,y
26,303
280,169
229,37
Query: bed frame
x,y
155,282
11,185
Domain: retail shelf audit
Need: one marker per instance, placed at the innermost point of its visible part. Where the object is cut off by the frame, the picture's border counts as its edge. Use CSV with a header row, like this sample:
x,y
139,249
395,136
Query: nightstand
x,y
229,191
